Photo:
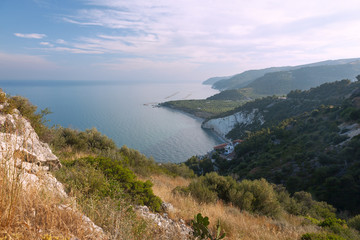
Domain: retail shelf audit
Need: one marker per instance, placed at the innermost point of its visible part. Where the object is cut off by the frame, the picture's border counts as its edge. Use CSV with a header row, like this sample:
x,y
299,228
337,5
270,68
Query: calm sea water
x,y
125,113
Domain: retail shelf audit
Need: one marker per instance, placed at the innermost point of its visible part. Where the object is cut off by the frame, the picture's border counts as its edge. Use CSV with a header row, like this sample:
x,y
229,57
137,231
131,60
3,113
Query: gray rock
x,y
171,227
167,207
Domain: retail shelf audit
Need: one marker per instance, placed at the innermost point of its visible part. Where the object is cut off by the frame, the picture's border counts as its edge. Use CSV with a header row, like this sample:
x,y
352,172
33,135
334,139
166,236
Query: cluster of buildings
x,y
227,148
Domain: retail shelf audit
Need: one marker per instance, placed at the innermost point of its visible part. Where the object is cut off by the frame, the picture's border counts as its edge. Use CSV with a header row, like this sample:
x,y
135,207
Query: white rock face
x,y
23,154
223,126
170,226
19,138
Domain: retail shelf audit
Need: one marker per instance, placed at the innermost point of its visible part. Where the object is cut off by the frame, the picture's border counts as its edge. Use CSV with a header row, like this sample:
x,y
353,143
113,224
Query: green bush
x,y
104,177
83,180
28,111
90,140
257,196
339,227
2,97
201,192
178,170
321,236
330,222
140,192
354,222
306,206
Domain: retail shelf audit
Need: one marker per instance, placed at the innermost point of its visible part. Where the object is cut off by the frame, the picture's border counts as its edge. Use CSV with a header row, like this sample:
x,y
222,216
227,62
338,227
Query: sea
x,y
126,112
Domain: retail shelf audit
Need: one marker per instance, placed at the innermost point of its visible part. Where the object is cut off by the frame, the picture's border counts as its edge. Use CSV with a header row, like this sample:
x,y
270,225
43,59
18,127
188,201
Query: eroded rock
x,y
171,227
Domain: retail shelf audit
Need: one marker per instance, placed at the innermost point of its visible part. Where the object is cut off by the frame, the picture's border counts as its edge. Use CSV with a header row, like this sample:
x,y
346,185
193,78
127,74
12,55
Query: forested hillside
x,y
309,142
245,79
274,109
283,82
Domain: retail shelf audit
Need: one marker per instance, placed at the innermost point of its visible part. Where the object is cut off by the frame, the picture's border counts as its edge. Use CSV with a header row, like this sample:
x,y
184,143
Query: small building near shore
x,y
220,147
228,148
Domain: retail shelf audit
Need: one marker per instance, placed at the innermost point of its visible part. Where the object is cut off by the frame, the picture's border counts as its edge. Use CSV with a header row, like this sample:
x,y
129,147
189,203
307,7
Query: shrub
x,y
90,140
321,236
103,177
257,196
339,227
330,222
201,192
28,111
178,170
306,206
354,222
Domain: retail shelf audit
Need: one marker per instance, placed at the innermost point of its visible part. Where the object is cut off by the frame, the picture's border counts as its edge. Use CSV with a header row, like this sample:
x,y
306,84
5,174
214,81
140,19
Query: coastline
x,y
196,115
200,115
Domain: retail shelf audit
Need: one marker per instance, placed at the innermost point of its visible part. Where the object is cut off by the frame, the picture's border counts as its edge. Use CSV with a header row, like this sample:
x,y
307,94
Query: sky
x,y
170,41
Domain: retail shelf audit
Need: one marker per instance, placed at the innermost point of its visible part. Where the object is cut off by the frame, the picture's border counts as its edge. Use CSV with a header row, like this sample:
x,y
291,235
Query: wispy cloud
x,y
30,35
61,41
209,31
46,44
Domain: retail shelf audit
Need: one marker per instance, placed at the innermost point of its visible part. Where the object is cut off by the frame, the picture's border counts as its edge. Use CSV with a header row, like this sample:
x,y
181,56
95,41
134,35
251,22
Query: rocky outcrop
x,y
224,125
171,227
19,138
26,160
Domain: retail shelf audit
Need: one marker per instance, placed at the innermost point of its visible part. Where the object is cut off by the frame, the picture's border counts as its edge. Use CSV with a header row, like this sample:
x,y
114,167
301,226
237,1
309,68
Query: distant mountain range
x,y
281,80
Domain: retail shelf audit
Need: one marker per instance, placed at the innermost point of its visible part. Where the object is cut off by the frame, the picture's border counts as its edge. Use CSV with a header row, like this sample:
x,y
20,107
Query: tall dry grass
x,y
237,224
30,211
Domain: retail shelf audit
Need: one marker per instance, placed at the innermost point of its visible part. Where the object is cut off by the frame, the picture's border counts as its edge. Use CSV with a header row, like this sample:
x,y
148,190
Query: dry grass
x,y
35,212
236,224
28,210
70,154
119,222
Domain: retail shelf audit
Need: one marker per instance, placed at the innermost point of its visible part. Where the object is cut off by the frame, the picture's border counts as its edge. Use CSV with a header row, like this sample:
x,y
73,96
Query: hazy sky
x,y
170,40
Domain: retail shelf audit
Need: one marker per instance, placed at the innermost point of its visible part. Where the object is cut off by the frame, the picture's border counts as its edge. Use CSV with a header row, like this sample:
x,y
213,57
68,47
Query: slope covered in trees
x,y
245,79
310,142
274,109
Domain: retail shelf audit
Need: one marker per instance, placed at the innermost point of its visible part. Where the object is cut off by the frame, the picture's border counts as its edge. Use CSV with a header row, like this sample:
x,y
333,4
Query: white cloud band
x,y
30,35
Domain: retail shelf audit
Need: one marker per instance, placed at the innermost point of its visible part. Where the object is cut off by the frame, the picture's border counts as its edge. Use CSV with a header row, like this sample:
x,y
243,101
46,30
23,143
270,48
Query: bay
x,y
125,112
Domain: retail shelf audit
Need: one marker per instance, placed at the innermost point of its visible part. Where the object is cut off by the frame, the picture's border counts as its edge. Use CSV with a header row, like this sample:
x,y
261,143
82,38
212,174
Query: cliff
x,y
224,125
33,203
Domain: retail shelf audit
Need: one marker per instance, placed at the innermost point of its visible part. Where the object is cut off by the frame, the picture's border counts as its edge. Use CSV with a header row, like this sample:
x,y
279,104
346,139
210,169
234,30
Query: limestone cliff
x,y
25,162
224,125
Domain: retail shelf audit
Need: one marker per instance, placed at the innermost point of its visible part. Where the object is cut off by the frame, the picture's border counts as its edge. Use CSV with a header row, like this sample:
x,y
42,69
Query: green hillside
x,y
242,79
213,80
275,110
283,82
245,79
310,143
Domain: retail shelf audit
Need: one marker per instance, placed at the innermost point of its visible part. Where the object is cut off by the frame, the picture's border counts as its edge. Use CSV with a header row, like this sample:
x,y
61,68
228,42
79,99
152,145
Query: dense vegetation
x,y
304,78
313,151
204,108
242,94
242,79
104,177
256,196
269,80
27,110
274,110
